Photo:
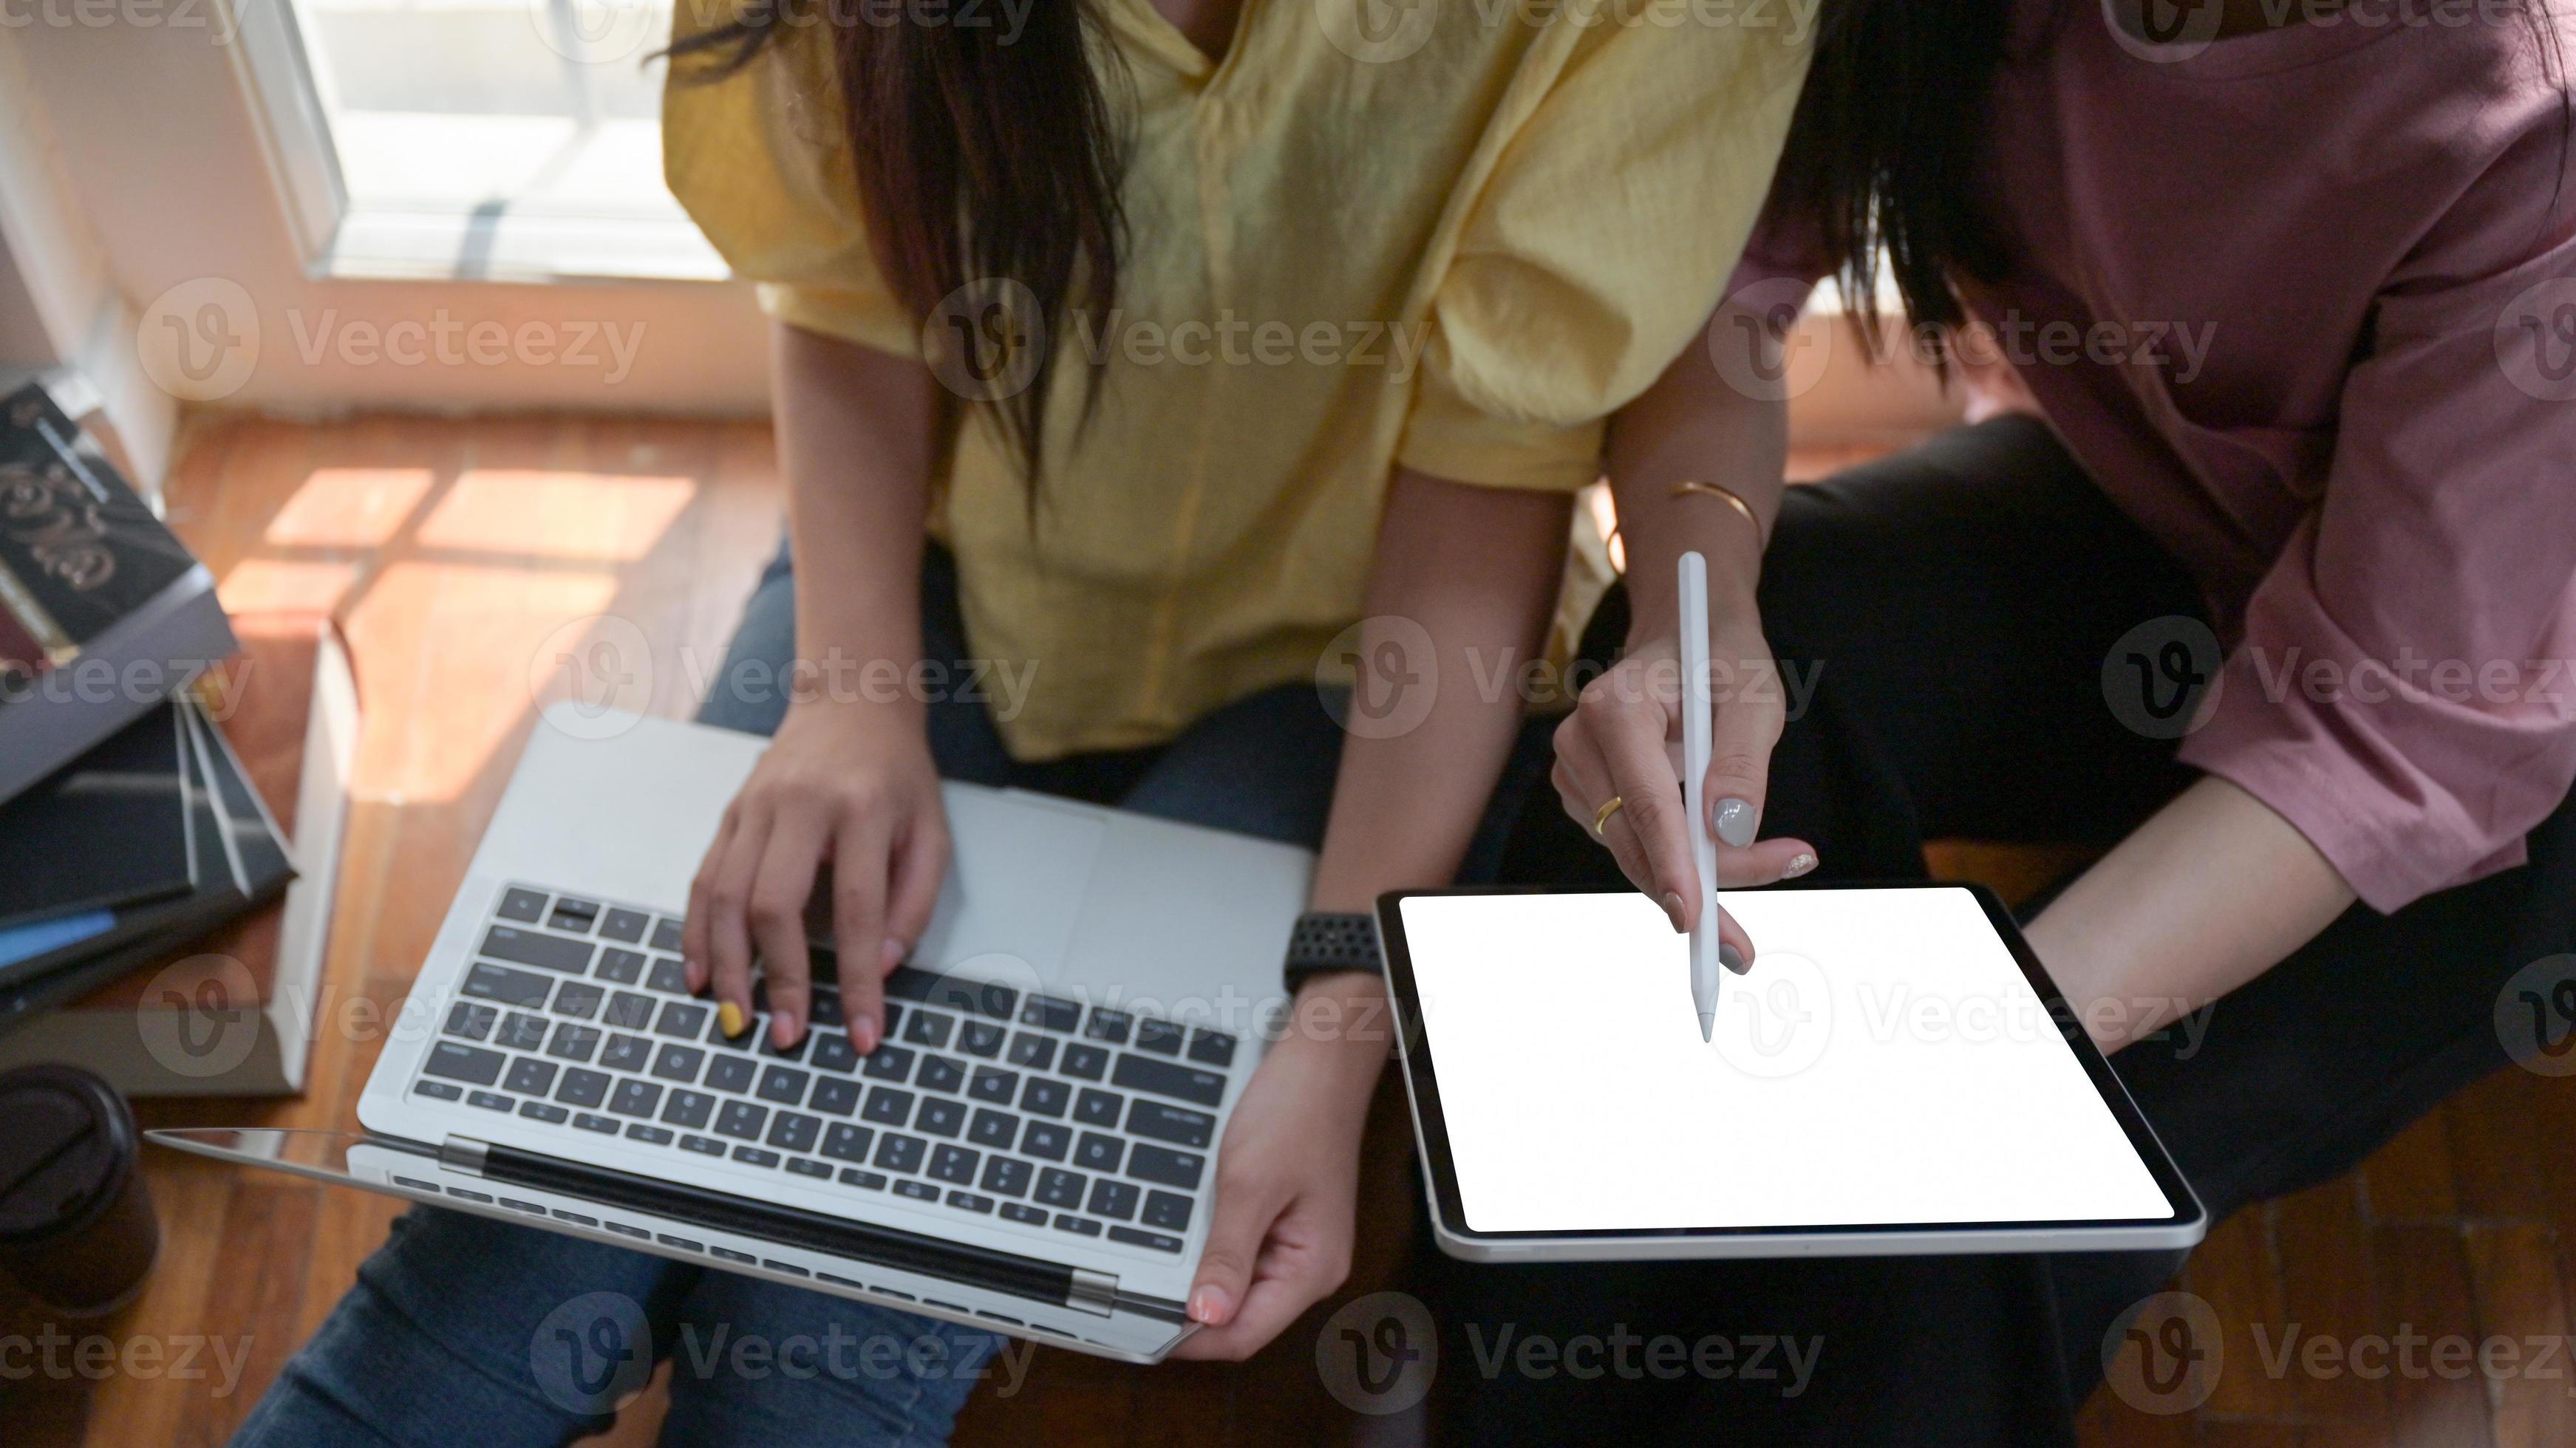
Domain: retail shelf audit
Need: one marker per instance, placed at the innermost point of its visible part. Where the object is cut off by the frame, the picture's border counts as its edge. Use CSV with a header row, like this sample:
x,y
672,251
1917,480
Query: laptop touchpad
x,y
1017,873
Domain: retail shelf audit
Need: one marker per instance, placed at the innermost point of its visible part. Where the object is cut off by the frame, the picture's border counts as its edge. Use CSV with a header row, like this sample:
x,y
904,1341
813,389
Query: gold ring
x,y
1601,816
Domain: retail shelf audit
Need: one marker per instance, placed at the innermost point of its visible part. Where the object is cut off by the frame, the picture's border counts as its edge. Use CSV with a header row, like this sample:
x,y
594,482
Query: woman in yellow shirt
x,y
1144,349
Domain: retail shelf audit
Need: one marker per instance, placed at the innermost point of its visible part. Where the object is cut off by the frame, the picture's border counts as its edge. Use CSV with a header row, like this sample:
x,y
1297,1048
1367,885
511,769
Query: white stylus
x,y
1697,707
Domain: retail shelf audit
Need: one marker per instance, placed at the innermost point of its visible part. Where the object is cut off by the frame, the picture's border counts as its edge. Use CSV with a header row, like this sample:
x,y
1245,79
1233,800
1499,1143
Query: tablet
x,y
1896,1075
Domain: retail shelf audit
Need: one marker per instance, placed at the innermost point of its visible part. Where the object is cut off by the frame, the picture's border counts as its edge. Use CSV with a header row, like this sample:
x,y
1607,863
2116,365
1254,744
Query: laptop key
x,y
604,1125
980,1038
969,1201
626,925
469,1064
438,1090
741,1120
656,1135
688,1108
755,1156
1168,1078
918,1191
835,1097
1060,1188
847,1142
620,967
1112,1199
581,1088
1098,1152
1108,1025
1052,1012
491,1101
520,1032
1165,1122
1085,1062
626,1053
825,1009
853,1177
634,1098
675,1062
530,1076
628,1011
994,1085
730,1073
529,947
668,975
471,1020
574,915
1046,1140
1168,1210
573,1043
807,1166
1152,1163
833,1052
941,1073
525,906
542,1111
1098,1108
666,934
1081,1226
1024,1214
951,1163
1160,1037
887,1106
993,1128
888,1063
784,1085
768,1046
1007,1175
509,987
750,1037
898,1152
928,1028
940,1116
1136,1238
1212,1048
578,999
682,1020
702,1145
1032,1050
1046,1096
794,1131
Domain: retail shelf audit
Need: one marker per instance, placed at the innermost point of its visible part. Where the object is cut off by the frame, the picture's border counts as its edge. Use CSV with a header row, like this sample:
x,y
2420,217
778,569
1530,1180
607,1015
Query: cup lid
x,y
69,1145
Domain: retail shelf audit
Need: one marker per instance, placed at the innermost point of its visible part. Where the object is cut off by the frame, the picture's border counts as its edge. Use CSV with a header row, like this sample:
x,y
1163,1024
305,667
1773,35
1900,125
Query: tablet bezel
x,y
2182,1227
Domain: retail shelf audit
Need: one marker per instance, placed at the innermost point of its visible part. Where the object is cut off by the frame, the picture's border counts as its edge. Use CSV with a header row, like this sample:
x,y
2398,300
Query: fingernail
x,y
1732,959
1210,1305
1734,821
863,1035
1673,908
1798,865
783,1027
729,1019
694,974
892,952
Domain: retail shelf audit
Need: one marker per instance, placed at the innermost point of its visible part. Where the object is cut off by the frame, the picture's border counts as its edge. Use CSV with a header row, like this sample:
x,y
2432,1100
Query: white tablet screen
x,y
1884,1063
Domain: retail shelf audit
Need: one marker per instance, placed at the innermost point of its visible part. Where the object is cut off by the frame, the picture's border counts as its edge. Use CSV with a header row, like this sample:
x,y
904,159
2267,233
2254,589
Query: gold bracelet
x,y
1688,486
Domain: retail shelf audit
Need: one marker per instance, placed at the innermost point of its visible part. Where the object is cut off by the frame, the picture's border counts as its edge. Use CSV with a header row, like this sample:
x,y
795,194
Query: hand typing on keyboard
x,y
845,782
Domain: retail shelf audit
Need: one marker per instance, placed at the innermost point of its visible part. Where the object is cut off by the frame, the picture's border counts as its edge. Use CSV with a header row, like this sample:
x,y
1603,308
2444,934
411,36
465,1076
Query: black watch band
x,y
1325,943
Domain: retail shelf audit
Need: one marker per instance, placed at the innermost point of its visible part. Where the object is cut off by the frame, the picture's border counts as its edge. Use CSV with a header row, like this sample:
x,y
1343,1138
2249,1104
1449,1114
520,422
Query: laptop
x,y
1030,1151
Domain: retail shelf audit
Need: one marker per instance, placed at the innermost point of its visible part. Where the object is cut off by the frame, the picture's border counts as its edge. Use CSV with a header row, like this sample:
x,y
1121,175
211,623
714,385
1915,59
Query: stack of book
x,y
134,840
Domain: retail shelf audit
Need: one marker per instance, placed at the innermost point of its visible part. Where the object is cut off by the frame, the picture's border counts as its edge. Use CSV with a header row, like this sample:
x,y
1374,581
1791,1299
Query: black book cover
x,y
109,829
78,548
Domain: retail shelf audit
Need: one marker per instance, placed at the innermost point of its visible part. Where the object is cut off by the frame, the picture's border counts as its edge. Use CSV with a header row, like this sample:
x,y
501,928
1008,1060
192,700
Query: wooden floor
x,y
464,558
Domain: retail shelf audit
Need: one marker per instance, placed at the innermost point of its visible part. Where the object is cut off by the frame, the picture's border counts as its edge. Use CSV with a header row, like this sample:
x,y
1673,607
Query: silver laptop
x,y
1030,1151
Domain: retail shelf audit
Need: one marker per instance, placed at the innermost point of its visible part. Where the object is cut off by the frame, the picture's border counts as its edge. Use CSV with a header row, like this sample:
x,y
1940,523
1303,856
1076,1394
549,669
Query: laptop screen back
x,y
1885,1063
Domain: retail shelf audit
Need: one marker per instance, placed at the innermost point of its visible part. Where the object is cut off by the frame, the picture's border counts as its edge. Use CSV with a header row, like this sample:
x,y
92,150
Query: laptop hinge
x,y
463,1153
1092,1292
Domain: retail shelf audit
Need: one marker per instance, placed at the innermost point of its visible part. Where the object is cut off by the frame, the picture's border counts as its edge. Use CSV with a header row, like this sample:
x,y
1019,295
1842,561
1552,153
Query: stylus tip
x,y
1707,1026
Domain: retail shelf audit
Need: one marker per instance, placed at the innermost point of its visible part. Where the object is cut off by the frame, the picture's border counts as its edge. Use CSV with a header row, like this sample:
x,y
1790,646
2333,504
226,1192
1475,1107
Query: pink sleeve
x,y
2402,693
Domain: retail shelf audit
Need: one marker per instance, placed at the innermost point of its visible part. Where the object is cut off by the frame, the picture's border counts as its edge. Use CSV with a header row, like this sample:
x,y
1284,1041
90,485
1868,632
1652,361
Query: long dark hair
x,y
979,155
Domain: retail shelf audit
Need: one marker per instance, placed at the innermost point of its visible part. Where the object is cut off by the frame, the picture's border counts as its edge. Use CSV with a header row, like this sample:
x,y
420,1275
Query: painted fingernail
x,y
1732,959
1733,821
1799,864
1210,1305
892,952
1673,908
729,1019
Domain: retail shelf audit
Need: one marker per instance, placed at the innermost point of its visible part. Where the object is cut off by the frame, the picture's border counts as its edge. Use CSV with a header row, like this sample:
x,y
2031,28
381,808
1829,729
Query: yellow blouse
x,y
1456,244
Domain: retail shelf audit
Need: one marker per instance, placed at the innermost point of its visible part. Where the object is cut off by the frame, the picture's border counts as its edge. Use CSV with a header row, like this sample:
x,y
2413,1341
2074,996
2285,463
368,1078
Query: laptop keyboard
x,y
1026,1109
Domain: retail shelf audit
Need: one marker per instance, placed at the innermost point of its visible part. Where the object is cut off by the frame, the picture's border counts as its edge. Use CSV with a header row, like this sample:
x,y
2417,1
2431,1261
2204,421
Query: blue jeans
x,y
466,1330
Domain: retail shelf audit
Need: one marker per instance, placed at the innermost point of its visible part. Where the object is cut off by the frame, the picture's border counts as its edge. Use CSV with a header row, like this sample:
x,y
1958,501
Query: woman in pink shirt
x,y
2272,594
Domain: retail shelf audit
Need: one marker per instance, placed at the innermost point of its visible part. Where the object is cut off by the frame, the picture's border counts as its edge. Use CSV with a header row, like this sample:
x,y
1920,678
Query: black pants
x,y
1960,599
